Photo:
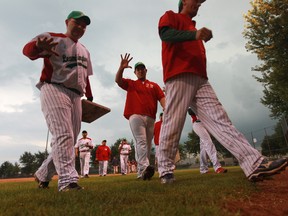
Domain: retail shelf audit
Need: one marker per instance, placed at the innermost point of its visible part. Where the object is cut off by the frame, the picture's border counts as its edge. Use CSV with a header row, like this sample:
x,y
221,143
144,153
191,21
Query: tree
x,y
8,170
28,163
275,144
267,31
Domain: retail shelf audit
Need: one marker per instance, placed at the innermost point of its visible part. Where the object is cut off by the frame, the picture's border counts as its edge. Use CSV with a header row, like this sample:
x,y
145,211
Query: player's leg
x,y
82,163
105,166
180,92
203,159
58,105
101,168
138,127
86,163
206,144
216,121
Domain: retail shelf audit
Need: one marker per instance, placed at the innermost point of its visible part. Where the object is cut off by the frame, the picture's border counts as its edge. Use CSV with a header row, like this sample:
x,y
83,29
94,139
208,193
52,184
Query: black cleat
x,y
268,168
148,173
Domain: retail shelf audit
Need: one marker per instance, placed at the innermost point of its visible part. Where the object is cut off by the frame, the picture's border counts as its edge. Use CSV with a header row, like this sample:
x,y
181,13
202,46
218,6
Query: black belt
x,y
71,89
85,151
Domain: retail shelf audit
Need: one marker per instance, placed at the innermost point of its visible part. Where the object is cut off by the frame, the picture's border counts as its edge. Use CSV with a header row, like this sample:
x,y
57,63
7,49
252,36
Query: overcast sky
x,y
118,27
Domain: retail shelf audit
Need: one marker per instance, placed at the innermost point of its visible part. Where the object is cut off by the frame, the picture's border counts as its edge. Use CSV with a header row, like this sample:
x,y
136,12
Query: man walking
x,y
63,81
83,150
124,149
186,84
103,153
140,109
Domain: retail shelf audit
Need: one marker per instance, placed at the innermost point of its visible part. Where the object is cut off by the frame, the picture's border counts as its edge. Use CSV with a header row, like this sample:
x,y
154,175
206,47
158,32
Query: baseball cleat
x,y
41,185
72,186
148,173
167,179
268,168
221,170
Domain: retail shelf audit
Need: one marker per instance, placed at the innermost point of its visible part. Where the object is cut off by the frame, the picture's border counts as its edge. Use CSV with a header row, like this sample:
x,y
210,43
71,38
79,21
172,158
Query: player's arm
x,y
88,92
168,34
76,152
123,65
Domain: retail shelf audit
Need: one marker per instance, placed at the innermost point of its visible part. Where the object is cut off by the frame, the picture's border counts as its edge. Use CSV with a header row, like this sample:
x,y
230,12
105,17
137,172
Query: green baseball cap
x,y
139,64
78,15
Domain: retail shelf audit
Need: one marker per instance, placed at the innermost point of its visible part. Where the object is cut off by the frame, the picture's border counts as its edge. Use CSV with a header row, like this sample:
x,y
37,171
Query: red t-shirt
x,y
157,128
181,57
141,98
103,153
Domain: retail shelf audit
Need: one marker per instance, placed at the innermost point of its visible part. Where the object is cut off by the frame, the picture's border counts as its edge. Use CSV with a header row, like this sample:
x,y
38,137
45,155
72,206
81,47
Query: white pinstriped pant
x,y
103,165
62,111
142,128
84,163
187,90
207,147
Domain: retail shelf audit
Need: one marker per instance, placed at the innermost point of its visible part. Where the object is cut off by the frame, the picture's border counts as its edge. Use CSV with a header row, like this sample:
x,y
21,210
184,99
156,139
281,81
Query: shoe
x,y
221,170
167,179
268,168
148,173
72,186
86,176
42,185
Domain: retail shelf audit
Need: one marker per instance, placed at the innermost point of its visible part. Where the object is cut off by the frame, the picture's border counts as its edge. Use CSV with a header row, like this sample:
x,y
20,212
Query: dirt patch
x,y
271,199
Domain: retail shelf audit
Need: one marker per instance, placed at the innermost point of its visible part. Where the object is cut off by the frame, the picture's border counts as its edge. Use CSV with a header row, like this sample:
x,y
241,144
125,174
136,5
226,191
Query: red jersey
x,y
103,153
181,57
141,98
157,128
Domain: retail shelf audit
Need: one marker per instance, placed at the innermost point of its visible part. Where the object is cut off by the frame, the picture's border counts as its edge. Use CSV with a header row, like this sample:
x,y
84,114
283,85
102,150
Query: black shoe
x,y
167,179
148,173
86,176
268,168
42,185
72,186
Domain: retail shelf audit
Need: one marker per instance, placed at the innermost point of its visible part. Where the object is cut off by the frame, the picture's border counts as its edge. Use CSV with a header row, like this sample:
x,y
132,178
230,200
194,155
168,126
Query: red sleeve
x,y
194,118
31,50
88,92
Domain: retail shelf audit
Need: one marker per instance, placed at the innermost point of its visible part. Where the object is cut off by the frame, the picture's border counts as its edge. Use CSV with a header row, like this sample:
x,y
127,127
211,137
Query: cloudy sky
x,y
118,27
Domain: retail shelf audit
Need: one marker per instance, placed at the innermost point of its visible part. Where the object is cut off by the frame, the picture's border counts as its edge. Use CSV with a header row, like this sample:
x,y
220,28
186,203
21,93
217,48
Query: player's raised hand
x,y
47,44
125,61
204,34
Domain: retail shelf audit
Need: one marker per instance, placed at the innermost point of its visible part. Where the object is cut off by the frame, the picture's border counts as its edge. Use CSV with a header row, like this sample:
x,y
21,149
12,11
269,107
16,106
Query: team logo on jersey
x,y
75,61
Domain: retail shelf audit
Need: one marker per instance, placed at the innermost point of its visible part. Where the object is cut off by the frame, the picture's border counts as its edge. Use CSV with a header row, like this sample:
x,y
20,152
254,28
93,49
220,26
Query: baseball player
x,y
186,84
84,146
124,149
63,81
103,154
207,147
140,109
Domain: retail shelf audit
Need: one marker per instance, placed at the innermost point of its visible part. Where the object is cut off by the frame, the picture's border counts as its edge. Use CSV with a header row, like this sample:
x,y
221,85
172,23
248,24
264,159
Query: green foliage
x,y
275,144
266,32
8,170
191,194
30,162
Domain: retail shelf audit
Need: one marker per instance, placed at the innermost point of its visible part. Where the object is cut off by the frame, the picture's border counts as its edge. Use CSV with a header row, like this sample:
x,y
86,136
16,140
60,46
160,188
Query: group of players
x,y
65,79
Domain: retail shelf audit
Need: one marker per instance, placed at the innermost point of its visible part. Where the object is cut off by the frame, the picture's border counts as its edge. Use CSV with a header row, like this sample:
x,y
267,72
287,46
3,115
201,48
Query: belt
x,y
71,89
85,151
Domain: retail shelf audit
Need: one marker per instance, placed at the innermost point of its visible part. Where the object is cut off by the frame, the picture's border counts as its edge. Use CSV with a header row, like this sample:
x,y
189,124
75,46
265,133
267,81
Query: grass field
x,y
190,194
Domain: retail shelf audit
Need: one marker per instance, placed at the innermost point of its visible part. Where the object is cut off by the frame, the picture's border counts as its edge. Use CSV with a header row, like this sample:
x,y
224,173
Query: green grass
x,y
190,194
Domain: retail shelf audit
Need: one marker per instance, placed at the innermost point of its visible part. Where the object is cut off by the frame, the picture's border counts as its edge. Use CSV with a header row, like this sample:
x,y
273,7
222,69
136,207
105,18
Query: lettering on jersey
x,y
75,61
149,85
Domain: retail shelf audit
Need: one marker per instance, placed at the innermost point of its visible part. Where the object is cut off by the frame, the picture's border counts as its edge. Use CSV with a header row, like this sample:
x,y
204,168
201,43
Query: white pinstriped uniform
x,y
191,90
65,125
207,147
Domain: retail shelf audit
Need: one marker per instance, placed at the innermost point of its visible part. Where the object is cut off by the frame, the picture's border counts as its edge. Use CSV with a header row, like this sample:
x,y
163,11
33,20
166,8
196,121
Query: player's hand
x,y
125,61
90,99
47,44
204,34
